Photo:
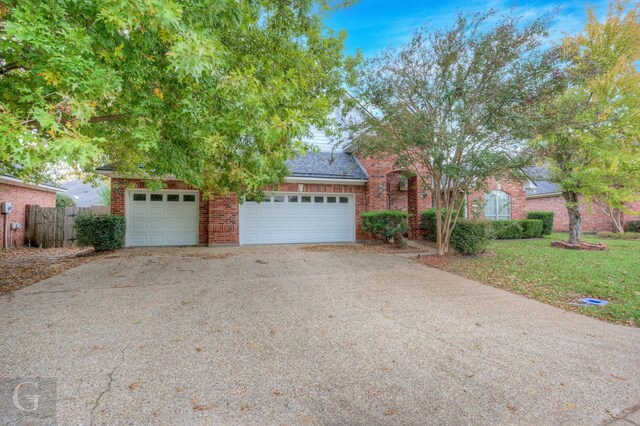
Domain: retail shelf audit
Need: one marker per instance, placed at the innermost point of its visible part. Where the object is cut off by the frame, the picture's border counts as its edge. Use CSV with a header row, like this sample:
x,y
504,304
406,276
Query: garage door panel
x,y
168,220
295,221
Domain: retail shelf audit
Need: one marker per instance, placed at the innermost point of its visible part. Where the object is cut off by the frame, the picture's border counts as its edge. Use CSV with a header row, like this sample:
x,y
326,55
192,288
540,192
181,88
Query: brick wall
x,y
511,186
219,215
593,218
635,206
20,196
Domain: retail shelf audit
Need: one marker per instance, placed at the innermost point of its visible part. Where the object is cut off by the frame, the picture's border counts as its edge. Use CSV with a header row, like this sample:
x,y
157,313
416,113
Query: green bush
x,y
103,232
633,226
471,237
532,228
428,222
63,200
619,235
546,218
507,229
386,224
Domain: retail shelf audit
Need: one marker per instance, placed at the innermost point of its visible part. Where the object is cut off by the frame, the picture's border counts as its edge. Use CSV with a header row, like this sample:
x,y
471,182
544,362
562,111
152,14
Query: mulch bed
x,y
371,247
25,266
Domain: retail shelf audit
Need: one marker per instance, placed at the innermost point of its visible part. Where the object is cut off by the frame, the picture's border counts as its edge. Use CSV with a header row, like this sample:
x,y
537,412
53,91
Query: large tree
x,y
217,93
591,130
455,105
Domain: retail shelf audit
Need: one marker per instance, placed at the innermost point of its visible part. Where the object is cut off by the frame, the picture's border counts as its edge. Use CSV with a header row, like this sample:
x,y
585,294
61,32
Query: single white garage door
x,y
162,218
298,218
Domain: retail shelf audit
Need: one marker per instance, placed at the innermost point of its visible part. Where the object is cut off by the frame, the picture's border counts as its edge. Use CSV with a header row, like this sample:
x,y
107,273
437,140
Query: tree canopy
x,y
216,93
590,131
456,106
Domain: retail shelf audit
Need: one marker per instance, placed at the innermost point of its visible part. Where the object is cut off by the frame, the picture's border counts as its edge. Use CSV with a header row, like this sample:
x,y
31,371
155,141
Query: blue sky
x,y
373,25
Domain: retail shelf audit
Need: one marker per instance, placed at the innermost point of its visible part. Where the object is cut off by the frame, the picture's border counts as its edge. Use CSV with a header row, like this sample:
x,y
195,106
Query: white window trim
x,y
494,196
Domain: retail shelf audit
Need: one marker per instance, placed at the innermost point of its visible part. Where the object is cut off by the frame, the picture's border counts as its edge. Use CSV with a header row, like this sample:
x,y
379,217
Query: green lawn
x,y
558,277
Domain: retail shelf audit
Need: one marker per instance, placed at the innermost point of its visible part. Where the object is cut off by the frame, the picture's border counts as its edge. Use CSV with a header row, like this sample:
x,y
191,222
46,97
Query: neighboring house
x,y
547,196
19,194
85,194
321,201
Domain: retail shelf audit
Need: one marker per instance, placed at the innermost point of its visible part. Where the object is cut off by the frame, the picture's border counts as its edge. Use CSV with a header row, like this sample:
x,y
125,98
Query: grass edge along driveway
x,y
560,277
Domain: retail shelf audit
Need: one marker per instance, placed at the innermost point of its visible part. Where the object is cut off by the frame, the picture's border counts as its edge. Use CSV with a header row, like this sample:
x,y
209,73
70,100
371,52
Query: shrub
x,y
470,236
532,228
619,235
428,222
546,218
633,226
63,200
386,224
103,232
507,229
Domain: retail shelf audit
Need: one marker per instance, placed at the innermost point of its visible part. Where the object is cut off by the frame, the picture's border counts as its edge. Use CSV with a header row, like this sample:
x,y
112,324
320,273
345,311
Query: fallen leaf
x,y
133,386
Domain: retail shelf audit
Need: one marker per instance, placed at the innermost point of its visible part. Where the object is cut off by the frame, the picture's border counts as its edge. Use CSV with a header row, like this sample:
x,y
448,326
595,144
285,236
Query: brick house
x,y
19,194
547,196
321,201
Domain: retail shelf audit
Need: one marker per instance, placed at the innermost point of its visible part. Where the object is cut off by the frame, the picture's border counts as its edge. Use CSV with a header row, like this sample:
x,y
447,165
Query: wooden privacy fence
x,y
49,227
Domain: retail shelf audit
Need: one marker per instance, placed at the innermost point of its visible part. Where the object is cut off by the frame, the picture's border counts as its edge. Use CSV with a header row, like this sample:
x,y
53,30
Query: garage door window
x,y
190,198
306,199
318,199
157,197
331,199
278,198
344,200
293,198
173,197
139,197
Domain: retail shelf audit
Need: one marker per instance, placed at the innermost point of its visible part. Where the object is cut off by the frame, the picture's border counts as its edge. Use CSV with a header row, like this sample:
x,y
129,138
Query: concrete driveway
x,y
296,335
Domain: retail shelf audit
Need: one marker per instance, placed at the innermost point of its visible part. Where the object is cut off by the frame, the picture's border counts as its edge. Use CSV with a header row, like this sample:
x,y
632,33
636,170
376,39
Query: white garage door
x,y
162,218
298,218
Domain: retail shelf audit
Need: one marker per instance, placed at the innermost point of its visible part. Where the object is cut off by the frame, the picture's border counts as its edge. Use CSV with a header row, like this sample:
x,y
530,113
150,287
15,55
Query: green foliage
x,y
385,224
507,229
545,217
532,228
454,105
63,200
517,229
428,222
633,226
471,236
104,193
103,232
590,130
619,235
218,93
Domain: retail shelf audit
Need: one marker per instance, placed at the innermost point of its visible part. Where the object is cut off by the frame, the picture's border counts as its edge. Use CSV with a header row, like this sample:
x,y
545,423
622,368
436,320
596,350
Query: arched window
x,y
497,206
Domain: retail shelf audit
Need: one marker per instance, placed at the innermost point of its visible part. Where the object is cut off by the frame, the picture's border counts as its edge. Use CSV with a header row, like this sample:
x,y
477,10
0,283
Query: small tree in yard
x,y
455,106
63,200
591,129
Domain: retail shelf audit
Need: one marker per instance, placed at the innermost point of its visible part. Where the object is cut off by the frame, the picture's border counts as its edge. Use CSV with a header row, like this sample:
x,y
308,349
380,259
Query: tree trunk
x,y
575,220
616,218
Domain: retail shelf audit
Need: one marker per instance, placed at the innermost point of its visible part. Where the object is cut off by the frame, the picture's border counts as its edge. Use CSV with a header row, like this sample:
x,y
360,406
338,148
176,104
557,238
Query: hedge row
x,y
103,231
517,229
633,226
471,236
386,224
546,218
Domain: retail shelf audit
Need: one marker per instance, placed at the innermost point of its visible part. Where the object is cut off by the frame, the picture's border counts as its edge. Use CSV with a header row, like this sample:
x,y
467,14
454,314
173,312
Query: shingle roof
x,y
85,194
540,175
337,165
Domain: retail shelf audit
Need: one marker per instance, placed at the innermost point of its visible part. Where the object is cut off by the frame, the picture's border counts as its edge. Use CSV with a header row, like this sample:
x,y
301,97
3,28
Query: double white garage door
x,y
170,218
298,218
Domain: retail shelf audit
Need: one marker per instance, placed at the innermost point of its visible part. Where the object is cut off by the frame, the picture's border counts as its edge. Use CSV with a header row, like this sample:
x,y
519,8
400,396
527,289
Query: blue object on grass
x,y
595,302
